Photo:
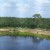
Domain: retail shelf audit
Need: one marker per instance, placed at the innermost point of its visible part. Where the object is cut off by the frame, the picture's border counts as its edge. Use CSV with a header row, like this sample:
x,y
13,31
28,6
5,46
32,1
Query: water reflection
x,y
23,43
37,39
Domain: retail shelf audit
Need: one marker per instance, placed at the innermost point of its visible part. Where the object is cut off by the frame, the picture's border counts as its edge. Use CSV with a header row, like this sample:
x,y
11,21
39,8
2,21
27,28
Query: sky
x,y
25,8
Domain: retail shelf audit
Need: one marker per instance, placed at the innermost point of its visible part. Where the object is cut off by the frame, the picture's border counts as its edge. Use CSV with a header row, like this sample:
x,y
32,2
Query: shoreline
x,y
24,32
34,31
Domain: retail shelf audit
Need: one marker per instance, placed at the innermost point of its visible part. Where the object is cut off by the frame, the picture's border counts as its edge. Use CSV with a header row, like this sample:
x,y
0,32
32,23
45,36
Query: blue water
x,y
23,43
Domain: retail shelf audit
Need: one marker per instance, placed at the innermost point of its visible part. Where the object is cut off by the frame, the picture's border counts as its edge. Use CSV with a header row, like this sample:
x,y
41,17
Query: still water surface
x,y
23,43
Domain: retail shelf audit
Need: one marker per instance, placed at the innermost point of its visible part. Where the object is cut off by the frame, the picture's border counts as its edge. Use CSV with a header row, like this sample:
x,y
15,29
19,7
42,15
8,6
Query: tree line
x,y
35,22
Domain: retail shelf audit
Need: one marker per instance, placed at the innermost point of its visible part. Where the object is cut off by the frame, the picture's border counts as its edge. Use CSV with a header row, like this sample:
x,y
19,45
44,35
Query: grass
x,y
24,34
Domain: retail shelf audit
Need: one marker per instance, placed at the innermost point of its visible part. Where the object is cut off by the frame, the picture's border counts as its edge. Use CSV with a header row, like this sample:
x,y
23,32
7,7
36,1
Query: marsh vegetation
x,y
12,26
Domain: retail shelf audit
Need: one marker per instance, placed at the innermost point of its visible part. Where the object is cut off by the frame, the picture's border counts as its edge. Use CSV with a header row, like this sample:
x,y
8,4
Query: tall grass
x,y
17,33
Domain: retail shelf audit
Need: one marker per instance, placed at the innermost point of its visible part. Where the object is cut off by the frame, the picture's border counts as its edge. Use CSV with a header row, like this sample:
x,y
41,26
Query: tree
x,y
37,20
37,16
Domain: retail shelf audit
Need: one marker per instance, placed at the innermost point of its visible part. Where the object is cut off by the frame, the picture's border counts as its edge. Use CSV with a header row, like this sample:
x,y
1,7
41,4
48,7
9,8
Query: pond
x,y
23,43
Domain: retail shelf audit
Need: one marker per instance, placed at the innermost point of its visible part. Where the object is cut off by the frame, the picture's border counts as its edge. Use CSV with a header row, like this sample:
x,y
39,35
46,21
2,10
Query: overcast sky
x,y
24,8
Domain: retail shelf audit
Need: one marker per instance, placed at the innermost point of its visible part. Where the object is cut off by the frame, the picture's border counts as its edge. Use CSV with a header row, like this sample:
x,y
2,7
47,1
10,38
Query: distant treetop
x,y
37,16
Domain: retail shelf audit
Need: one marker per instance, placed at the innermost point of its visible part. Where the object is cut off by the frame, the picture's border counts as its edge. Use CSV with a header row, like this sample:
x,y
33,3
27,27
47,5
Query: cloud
x,y
12,7
10,1
4,8
23,7
42,1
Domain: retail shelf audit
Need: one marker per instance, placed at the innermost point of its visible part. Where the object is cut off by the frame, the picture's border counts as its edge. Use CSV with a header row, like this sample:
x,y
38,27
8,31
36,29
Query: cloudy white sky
x,y
24,8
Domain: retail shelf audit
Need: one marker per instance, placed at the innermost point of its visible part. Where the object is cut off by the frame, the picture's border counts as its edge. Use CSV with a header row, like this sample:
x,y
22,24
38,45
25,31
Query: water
x,y
23,43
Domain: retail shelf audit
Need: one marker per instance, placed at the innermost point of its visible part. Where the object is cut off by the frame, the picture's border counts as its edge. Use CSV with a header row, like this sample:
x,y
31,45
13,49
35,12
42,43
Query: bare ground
x,y
35,31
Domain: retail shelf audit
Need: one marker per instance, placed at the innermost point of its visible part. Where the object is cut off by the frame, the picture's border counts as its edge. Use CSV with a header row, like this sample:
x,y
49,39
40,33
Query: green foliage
x,y
37,16
26,34
25,22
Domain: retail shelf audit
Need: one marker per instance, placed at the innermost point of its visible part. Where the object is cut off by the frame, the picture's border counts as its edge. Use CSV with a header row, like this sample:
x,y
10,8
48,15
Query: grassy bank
x,y
24,34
